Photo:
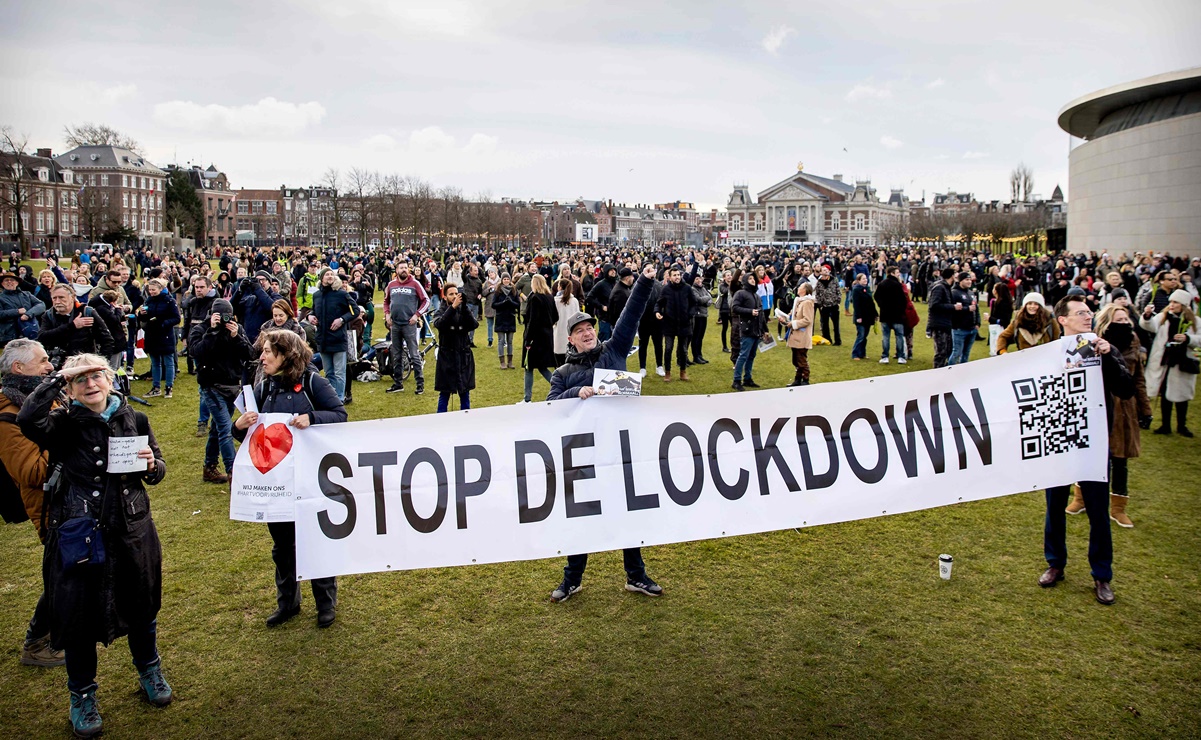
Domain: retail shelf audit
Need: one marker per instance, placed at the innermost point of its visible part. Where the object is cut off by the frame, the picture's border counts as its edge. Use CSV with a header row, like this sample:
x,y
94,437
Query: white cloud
x,y
943,156
267,118
889,142
867,92
430,139
775,38
117,93
935,84
481,144
380,143
975,155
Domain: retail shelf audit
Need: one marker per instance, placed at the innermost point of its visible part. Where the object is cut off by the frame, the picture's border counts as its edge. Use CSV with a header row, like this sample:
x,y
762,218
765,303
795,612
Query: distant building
x,y
951,202
132,189
808,208
41,193
310,216
217,198
258,216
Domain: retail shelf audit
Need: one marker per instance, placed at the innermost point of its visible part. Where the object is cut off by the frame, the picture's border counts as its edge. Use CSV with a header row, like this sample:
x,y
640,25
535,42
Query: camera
x,y
227,318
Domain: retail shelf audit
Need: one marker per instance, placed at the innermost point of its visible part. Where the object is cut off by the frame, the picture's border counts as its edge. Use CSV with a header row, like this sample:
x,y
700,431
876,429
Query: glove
x,y
1144,422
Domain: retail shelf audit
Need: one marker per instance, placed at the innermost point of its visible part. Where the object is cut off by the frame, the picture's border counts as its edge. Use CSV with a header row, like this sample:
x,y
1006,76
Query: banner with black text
x,y
552,479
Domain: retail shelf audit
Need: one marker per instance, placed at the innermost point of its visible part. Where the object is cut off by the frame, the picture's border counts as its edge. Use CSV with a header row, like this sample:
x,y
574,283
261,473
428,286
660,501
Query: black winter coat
x,y
159,317
59,332
220,357
455,371
330,304
942,308
114,320
538,346
744,303
97,603
617,301
863,309
320,402
675,304
890,297
964,318
577,373
506,306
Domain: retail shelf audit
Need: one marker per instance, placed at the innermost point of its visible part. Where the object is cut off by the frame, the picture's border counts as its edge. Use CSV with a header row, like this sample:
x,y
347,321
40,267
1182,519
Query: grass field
x,y
843,630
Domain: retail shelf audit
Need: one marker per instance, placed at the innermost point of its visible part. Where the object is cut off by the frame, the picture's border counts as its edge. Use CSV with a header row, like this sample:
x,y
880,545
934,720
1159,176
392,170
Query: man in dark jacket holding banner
x,y
575,380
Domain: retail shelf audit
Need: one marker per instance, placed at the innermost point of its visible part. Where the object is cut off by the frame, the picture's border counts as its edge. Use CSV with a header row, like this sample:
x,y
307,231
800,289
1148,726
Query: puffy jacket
x,y
11,303
611,355
330,304
97,603
942,308
255,306
159,317
701,300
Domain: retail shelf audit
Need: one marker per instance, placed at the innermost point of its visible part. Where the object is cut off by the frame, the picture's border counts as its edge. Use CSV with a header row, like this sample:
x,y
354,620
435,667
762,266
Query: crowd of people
x,y
297,325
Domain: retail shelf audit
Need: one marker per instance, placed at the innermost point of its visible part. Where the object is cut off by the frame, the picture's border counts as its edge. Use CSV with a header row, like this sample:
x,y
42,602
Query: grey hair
x,y
19,350
88,359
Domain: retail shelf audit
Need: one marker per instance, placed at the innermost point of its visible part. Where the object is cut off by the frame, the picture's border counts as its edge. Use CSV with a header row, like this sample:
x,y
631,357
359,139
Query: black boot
x,y
1165,413
1182,419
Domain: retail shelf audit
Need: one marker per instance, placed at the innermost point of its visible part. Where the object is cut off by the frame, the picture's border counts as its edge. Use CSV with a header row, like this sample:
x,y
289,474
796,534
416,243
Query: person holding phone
x,y
71,328
1171,364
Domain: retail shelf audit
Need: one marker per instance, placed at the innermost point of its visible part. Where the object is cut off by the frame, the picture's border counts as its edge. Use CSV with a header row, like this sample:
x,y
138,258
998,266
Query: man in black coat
x,y
598,299
473,287
752,325
890,297
70,328
674,309
222,351
333,308
585,353
455,371
942,310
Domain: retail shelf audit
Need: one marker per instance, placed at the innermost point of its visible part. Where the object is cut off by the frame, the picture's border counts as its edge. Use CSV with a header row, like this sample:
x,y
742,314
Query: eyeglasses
x,y
1085,312
79,381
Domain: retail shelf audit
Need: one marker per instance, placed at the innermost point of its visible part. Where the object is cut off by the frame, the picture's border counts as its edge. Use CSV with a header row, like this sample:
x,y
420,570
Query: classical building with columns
x,y
809,208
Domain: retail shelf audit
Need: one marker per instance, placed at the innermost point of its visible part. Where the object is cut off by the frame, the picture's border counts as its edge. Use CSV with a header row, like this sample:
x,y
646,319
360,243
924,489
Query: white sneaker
x,y
660,371
883,360
902,361
642,373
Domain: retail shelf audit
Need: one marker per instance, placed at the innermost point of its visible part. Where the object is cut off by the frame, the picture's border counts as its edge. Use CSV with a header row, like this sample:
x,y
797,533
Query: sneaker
x,y
85,713
155,688
396,388
154,393
902,361
737,386
660,371
39,653
883,360
168,394
564,592
642,373
644,585
420,390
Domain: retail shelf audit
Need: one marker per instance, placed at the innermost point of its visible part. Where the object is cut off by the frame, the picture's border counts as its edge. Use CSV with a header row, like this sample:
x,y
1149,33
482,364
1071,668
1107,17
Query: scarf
x,y
114,403
17,388
589,358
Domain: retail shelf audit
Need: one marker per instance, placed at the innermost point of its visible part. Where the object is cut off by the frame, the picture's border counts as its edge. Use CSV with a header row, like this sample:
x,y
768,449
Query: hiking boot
x,y
502,363
202,430
667,378
85,713
644,585
153,393
39,653
683,375
155,688
564,592
396,388
213,475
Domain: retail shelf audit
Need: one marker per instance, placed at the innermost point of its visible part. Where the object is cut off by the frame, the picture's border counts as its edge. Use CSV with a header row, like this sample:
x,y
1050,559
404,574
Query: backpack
x,y
12,506
260,390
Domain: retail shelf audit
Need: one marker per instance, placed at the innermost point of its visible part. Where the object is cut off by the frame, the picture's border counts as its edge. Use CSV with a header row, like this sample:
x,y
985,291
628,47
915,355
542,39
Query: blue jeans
x,y
203,418
491,324
962,341
859,349
899,330
335,371
444,401
604,331
474,308
1100,538
130,344
529,381
162,368
746,359
221,432
631,559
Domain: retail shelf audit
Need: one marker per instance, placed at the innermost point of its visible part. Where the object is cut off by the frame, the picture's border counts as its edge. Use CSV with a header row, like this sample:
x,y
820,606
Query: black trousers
x,y
287,590
698,336
829,315
653,334
681,348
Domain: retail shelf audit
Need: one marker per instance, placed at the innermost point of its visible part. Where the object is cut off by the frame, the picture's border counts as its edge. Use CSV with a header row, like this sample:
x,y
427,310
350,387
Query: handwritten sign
x,y
123,454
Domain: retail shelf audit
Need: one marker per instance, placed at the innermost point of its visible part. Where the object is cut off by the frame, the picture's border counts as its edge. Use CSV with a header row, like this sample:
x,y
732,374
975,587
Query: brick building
x,y
217,199
120,187
41,193
259,216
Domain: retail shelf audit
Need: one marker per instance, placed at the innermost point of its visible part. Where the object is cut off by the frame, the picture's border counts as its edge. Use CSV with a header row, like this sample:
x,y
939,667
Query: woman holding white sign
x,y
103,561
292,387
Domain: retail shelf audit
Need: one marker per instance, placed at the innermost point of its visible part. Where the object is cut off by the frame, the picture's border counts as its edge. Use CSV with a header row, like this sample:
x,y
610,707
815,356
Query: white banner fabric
x,y
571,476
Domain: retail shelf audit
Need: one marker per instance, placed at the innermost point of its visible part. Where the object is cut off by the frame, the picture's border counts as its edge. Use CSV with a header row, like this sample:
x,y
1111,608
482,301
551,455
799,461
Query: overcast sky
x,y
631,101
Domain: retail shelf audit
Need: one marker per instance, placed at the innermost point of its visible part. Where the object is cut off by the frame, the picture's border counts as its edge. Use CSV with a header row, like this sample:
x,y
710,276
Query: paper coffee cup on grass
x,y
944,566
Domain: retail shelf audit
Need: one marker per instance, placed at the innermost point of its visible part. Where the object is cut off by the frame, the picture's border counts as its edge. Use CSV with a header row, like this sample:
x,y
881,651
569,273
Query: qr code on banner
x,y
1054,415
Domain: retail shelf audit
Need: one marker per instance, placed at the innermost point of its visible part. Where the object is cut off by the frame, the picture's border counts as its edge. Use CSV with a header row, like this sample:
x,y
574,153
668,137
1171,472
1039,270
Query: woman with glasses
x,y
103,562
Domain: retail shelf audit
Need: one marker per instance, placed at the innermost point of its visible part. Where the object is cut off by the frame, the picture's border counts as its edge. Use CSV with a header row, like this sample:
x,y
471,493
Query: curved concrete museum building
x,y
1135,183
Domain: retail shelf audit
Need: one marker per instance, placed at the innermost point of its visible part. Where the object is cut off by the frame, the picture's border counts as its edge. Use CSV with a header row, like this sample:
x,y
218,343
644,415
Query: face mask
x,y
1119,335
81,290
